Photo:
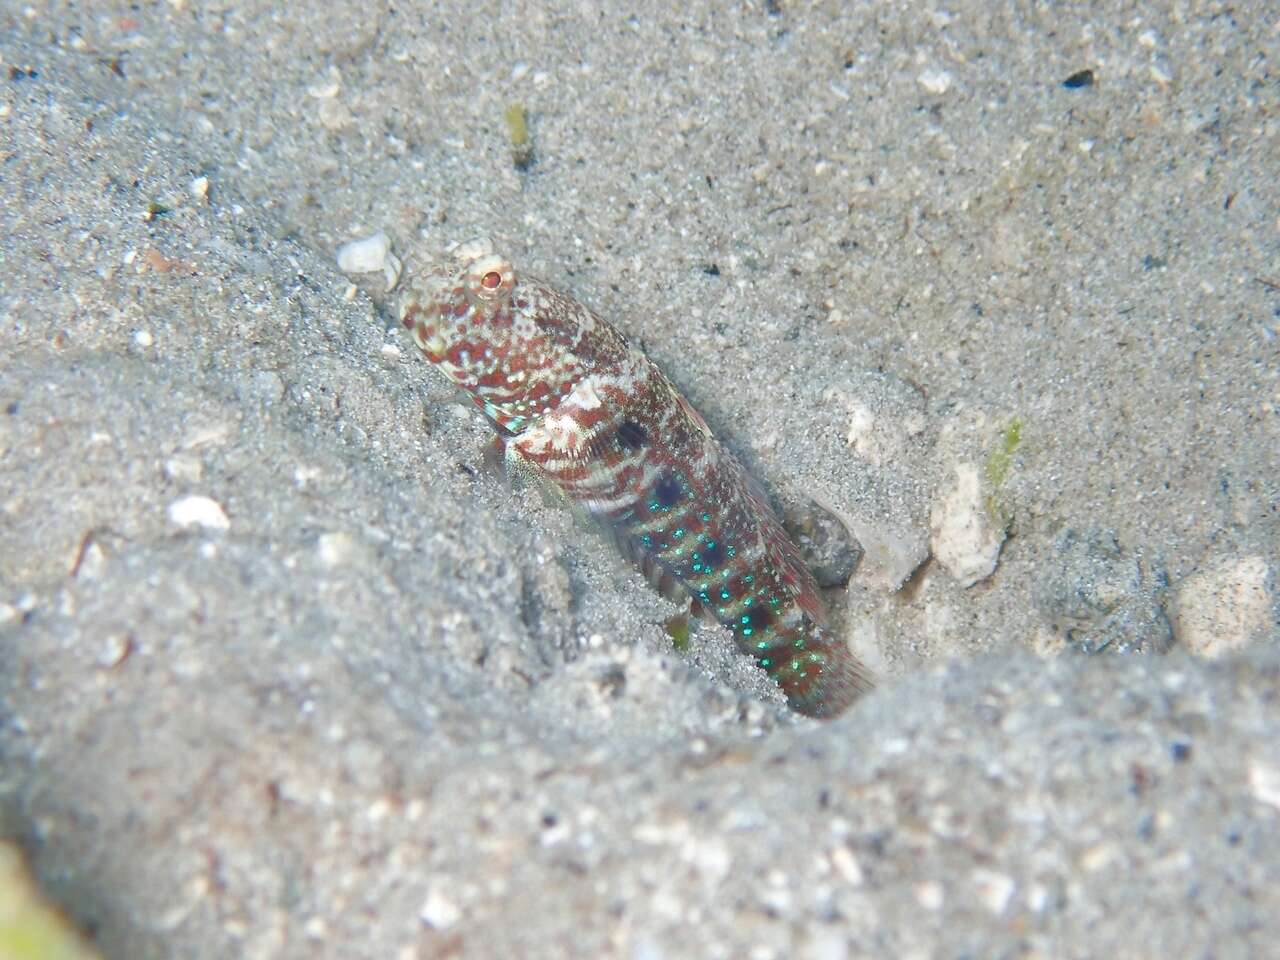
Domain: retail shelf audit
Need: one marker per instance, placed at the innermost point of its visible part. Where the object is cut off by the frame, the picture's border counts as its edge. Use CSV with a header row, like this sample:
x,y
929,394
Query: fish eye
x,y
489,279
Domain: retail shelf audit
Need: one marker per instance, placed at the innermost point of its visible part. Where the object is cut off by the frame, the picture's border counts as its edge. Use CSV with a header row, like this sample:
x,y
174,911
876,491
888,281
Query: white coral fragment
x,y
1224,607
369,255
197,511
966,538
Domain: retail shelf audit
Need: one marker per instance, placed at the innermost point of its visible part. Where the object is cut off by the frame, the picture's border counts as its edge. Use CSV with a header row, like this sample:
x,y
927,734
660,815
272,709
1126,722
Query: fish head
x,y
505,339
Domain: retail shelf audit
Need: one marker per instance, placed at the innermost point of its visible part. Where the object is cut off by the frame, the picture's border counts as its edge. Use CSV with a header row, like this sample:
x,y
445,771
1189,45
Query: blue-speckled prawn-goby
x,y
577,405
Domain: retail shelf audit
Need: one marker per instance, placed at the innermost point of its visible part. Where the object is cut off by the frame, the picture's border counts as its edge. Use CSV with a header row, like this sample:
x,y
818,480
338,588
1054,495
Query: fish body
x,y
574,403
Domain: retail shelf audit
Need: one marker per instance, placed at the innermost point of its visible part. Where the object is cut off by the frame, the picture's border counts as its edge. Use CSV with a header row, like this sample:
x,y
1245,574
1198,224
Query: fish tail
x,y
820,676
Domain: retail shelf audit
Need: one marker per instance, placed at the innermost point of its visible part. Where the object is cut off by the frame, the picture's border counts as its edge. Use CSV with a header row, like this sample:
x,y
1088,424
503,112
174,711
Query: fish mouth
x,y
422,320
433,303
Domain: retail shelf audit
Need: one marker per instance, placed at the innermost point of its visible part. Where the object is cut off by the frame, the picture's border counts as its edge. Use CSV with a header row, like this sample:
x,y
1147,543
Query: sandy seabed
x,y
285,673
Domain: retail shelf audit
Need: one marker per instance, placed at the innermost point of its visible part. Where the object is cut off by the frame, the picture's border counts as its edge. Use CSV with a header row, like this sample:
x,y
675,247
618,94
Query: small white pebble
x,y
438,911
315,928
558,832
143,338
846,865
934,80
200,187
304,476
325,91
115,650
930,895
1098,857
777,899
197,511
895,746
364,255
88,561
710,858
1264,781
335,549
994,889
369,255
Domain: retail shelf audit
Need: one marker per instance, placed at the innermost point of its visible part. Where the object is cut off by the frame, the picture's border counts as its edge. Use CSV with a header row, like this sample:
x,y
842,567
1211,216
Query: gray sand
x,y
286,673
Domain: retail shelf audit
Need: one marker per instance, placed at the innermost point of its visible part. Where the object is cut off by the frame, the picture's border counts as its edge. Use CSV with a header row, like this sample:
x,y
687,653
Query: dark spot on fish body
x,y
631,436
754,620
667,491
712,556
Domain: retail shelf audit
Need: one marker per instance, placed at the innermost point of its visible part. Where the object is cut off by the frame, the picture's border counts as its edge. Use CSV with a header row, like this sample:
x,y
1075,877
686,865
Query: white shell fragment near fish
x,y
369,255
197,511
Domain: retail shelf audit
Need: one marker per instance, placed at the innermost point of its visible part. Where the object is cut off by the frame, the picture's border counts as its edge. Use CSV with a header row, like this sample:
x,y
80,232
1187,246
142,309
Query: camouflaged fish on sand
x,y
576,405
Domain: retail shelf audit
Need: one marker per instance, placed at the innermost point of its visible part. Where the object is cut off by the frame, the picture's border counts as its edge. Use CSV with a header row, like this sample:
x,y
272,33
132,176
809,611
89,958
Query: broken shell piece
x,y
1225,607
369,255
966,537
197,511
